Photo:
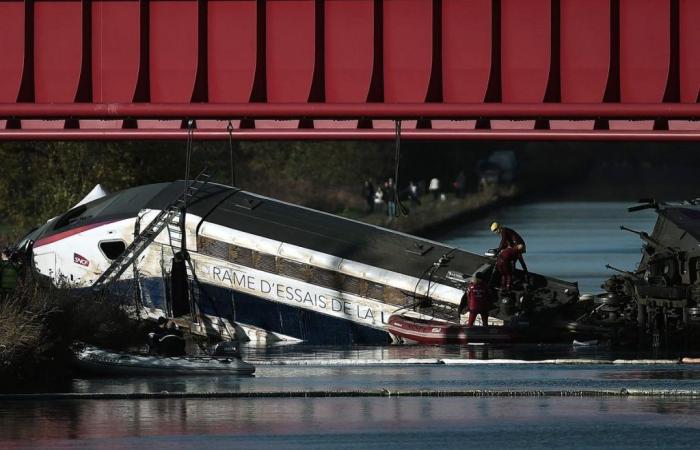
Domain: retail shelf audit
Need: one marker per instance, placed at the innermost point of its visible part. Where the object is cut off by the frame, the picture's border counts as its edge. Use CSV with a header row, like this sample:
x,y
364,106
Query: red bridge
x,y
348,69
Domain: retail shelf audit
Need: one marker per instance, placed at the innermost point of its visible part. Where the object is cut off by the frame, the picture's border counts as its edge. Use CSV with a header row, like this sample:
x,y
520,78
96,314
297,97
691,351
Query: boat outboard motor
x,y
227,348
170,345
166,340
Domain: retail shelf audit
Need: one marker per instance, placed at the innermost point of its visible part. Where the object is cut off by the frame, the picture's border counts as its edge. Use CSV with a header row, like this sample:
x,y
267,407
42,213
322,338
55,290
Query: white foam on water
x,y
344,362
646,361
456,362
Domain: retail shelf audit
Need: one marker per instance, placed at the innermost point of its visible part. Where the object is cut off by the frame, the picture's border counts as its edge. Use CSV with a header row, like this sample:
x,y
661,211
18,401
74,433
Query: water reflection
x,y
389,421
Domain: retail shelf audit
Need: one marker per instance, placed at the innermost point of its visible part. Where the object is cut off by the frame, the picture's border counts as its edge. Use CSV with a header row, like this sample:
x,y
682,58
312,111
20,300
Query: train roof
x,y
273,219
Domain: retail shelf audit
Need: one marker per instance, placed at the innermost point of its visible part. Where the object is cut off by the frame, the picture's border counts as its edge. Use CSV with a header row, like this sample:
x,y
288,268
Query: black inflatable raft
x,y
106,362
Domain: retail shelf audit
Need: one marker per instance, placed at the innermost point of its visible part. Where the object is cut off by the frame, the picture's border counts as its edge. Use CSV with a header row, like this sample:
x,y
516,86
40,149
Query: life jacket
x,y
478,297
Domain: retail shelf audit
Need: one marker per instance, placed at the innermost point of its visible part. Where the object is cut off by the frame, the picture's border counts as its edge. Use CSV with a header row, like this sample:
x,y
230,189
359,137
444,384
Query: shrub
x,y
38,325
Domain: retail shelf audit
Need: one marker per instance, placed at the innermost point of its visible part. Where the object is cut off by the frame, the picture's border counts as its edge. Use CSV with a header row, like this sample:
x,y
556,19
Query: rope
x,y
397,158
229,128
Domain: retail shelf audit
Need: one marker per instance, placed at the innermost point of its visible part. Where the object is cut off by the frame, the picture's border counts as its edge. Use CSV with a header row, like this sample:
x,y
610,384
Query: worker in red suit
x,y
477,299
511,249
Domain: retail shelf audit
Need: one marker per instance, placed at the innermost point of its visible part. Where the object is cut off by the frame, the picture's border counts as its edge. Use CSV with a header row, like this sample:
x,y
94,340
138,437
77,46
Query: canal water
x,y
568,240
572,241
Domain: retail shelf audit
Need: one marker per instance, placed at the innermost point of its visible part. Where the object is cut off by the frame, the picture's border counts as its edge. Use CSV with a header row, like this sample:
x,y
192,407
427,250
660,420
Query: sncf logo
x,y
80,260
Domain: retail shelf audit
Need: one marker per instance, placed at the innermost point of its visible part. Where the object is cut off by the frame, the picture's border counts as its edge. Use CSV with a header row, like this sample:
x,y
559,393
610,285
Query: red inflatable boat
x,y
438,332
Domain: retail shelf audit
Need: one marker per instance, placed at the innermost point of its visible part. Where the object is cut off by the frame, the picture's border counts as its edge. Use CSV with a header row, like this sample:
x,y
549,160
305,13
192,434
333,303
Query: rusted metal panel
x,y
645,53
348,54
173,54
466,54
12,51
231,54
525,54
290,54
58,54
407,53
116,54
584,55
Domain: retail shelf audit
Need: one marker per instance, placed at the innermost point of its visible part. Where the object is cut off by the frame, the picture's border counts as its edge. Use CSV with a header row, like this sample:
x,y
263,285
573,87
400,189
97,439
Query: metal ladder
x,y
165,217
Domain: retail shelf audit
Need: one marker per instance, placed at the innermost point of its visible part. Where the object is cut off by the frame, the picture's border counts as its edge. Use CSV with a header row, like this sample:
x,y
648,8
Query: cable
x,y
430,271
229,128
183,211
188,159
415,292
397,158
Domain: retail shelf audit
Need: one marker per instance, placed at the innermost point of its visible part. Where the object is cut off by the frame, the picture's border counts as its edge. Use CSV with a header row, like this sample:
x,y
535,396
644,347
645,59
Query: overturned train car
x,y
248,266
658,303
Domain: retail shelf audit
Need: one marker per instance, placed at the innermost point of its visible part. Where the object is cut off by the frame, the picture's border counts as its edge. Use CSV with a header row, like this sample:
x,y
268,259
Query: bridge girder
x,y
336,69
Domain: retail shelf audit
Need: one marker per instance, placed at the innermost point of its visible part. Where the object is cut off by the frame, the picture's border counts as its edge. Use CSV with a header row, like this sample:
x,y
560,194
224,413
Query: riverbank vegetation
x,y
38,325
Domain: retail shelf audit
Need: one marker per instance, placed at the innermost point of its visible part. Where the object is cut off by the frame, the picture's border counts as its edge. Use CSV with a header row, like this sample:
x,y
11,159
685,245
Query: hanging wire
x,y
229,128
188,158
397,158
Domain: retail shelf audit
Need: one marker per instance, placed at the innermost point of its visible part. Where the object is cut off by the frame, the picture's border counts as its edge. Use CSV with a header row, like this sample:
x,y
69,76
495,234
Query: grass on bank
x,y
38,324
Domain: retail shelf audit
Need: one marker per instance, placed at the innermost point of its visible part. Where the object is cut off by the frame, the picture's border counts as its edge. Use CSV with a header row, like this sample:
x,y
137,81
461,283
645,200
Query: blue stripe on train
x,y
300,323
309,326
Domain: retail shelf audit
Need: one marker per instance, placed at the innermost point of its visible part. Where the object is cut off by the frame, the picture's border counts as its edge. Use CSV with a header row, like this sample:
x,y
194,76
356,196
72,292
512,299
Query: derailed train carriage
x,y
658,303
239,265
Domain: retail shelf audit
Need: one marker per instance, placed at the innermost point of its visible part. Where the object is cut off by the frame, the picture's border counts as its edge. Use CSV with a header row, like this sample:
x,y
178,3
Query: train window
x,y
70,217
112,249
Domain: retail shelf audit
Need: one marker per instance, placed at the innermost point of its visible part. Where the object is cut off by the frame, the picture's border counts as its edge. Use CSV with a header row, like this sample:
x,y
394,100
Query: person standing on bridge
x,y
511,249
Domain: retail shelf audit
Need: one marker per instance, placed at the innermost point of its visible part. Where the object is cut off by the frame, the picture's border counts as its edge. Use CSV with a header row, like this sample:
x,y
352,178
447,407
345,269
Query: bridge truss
x,y
349,69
